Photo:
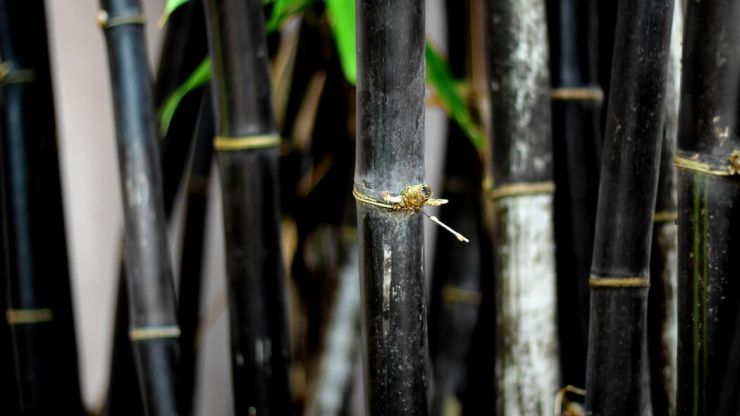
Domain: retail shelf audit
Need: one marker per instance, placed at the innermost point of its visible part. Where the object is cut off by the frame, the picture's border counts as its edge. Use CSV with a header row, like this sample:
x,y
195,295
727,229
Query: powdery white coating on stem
x,y
527,367
666,235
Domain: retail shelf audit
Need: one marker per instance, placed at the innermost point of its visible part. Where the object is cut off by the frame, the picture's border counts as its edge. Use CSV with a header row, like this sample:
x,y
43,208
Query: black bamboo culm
x,y
246,144
708,160
576,126
455,294
191,258
527,366
153,329
662,296
390,159
39,304
183,48
616,378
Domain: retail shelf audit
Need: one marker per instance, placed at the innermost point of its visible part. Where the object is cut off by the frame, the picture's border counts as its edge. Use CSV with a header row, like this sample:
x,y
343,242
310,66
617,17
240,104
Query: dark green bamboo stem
x,y
153,328
256,281
708,213
663,295
389,157
527,367
191,259
576,114
616,378
39,304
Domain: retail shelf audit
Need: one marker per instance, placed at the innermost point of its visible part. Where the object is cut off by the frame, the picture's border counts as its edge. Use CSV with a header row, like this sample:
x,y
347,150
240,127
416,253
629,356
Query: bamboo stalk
x,y
8,383
191,259
663,296
616,378
455,296
246,145
527,369
153,329
708,192
576,125
389,158
39,304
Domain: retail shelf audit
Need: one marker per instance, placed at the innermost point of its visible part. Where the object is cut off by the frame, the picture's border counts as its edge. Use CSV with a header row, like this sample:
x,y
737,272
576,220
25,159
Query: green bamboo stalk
x,y
153,329
247,155
616,379
39,303
527,367
708,191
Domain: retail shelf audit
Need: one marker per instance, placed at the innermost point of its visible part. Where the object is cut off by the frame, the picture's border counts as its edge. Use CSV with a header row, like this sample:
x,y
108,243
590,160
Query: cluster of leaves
x,y
341,15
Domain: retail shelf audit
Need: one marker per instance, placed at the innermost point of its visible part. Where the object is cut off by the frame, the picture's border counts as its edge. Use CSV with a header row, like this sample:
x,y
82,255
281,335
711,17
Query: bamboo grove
x,y
424,207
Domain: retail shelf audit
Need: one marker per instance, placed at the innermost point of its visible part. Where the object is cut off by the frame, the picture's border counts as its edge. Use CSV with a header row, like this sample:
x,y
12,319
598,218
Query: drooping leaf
x,y
343,24
199,77
444,84
170,7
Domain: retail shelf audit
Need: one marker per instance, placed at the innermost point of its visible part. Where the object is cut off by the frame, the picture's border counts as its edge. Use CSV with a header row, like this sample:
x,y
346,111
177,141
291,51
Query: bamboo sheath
x,y
527,363
576,124
37,288
616,379
256,280
708,227
153,329
389,158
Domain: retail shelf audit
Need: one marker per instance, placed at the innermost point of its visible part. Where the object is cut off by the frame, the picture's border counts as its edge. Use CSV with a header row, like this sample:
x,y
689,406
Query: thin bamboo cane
x,y
708,213
191,259
8,383
527,368
616,378
153,329
39,304
455,296
663,296
389,158
246,145
576,124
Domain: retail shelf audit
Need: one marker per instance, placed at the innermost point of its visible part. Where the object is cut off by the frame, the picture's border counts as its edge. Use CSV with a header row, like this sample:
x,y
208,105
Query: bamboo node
x,y
107,22
28,316
522,188
260,141
618,282
412,199
577,94
572,408
698,166
154,332
665,216
456,294
8,75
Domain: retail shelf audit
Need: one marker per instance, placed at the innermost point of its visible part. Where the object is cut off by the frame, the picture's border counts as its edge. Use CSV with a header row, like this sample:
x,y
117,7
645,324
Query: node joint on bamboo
x,y
412,199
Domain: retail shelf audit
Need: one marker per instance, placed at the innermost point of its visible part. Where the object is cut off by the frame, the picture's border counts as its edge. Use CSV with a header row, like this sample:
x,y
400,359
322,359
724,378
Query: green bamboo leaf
x,y
444,84
342,19
170,7
284,9
199,77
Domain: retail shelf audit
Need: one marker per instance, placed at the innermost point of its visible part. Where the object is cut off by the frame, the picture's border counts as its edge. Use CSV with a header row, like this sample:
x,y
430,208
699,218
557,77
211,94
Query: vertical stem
x,y
39,302
527,368
708,191
576,124
389,157
153,328
616,378
663,296
191,259
246,145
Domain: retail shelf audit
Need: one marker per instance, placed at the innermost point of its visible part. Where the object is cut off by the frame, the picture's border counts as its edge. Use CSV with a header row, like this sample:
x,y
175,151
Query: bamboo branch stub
x,y
262,141
733,168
